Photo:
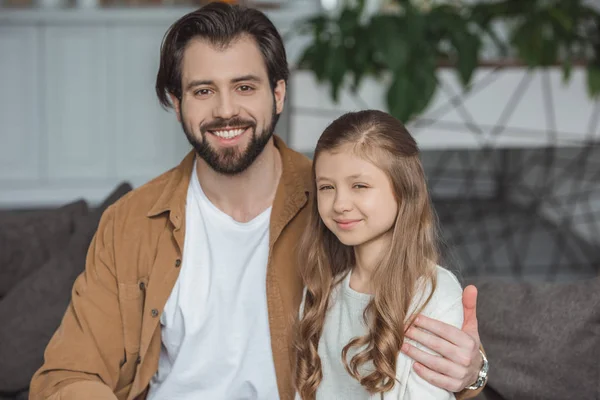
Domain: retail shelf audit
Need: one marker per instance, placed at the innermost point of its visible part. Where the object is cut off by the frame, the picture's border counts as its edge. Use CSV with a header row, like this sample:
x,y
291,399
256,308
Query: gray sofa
x,y
542,339
41,254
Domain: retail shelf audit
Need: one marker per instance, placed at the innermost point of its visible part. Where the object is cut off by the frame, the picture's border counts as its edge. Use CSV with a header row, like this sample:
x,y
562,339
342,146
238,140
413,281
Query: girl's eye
x,y
326,187
360,186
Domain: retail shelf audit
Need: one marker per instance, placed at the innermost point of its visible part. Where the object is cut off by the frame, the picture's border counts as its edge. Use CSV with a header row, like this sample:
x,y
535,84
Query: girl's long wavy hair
x,y
405,271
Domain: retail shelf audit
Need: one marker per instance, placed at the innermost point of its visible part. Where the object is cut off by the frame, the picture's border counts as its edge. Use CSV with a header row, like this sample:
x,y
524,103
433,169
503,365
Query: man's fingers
x,y
445,331
470,297
470,310
436,363
438,345
439,380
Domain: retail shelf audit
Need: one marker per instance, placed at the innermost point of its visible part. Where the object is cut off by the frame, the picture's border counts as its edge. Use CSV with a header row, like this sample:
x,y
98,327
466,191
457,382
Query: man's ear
x,y
279,94
176,106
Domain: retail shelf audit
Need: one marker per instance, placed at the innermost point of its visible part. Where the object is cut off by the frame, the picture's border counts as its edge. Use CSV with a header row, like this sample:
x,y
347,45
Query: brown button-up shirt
x,y
108,344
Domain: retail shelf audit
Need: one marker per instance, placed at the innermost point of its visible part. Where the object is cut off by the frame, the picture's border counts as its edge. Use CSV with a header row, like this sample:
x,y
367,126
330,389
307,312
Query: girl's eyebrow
x,y
356,176
350,177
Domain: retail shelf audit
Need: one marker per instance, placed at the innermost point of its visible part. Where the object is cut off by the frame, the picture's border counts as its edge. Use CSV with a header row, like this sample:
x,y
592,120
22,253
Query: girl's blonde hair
x,y
405,270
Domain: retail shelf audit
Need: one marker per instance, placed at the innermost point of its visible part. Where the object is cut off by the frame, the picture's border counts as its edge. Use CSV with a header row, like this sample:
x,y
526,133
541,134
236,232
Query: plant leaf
x,y
567,68
336,70
467,48
348,22
360,57
397,101
593,80
389,40
427,84
411,91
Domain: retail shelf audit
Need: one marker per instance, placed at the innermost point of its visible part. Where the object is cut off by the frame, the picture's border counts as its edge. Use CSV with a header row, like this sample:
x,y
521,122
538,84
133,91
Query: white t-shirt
x,y
216,341
344,321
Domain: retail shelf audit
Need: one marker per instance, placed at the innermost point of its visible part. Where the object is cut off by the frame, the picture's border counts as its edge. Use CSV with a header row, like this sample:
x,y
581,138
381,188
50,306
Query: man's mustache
x,y
221,123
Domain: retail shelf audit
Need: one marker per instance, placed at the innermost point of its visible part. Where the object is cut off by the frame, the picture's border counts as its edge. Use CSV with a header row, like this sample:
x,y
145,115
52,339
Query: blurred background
x,y
511,157
500,95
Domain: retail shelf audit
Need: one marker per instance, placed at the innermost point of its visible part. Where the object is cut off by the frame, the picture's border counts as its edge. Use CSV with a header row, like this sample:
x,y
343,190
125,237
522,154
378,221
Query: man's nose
x,y
226,107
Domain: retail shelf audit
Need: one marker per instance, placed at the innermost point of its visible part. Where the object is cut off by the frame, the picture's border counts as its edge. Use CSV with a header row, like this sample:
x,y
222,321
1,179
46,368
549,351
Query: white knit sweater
x,y
344,321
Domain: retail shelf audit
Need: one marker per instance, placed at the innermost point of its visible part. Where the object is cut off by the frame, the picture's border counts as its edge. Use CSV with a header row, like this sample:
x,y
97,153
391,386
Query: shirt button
x,y
178,263
142,286
154,312
139,360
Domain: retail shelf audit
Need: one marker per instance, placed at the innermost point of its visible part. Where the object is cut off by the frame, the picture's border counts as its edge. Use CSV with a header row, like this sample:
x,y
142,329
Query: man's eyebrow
x,y
244,78
195,83
248,77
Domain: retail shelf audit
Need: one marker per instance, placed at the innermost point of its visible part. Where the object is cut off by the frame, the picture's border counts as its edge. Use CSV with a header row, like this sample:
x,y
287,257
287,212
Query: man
x,y
191,288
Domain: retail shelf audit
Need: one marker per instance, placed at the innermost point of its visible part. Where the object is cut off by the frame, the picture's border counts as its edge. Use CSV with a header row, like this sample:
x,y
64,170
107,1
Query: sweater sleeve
x,y
418,388
445,306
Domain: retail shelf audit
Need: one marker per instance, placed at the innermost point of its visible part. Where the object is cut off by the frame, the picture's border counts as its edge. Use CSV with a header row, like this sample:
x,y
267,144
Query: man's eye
x,y
245,88
202,92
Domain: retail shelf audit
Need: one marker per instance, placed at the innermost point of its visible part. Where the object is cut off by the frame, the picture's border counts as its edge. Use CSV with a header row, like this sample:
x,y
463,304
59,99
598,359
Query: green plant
x,y
408,40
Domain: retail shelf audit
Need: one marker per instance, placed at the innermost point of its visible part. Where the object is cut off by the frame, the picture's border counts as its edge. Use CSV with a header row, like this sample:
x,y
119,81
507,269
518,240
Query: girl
x,y
369,265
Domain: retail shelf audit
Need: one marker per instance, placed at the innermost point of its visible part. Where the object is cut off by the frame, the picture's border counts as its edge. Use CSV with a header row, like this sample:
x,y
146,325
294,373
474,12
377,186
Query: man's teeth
x,y
229,134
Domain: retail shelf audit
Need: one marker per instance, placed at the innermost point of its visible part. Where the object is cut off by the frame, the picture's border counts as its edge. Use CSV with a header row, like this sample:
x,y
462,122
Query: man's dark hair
x,y
219,24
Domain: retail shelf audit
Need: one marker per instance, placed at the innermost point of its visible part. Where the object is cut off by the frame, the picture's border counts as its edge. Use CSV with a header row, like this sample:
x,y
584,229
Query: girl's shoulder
x,y
447,293
447,284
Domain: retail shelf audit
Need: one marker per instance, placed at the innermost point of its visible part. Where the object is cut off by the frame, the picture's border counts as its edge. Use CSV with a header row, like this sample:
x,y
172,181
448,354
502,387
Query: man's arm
x,y
461,360
83,357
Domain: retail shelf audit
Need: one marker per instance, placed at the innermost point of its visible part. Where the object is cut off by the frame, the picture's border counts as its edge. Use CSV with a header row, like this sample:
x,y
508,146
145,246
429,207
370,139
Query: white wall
x,y
78,111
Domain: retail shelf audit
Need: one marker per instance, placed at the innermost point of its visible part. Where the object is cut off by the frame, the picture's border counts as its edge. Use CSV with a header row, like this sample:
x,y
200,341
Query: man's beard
x,y
230,161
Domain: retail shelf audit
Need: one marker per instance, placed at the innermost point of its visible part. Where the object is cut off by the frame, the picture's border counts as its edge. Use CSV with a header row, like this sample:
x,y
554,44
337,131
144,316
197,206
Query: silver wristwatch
x,y
483,374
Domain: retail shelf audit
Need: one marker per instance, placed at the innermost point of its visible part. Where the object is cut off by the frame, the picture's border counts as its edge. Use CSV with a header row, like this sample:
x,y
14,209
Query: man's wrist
x,y
483,374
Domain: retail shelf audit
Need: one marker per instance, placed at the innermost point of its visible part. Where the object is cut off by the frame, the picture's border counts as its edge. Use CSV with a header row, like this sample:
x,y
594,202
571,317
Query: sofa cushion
x,y
22,395
33,310
29,238
542,339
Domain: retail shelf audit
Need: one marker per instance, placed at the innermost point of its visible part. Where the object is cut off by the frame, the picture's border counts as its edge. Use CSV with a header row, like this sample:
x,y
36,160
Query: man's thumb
x,y
470,309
